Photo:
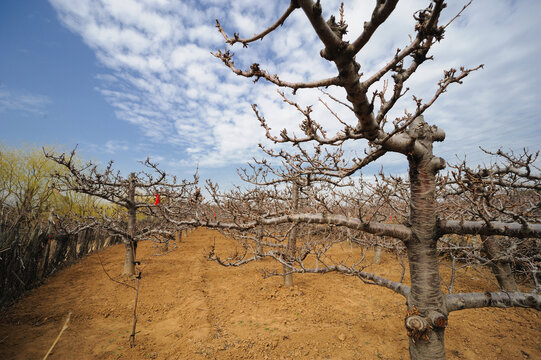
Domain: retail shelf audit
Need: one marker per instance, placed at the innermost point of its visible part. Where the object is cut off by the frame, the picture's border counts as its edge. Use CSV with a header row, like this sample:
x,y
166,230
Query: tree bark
x,y
427,313
501,269
505,299
129,259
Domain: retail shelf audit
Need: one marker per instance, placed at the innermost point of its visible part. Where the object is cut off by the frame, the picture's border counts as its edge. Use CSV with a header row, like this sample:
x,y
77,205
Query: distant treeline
x,y
42,228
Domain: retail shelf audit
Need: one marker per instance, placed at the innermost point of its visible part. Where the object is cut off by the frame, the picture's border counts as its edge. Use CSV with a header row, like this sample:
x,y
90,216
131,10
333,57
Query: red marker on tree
x,y
157,199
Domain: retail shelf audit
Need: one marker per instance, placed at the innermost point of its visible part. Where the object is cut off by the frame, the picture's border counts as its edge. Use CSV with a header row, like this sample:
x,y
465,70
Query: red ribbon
x,y
157,199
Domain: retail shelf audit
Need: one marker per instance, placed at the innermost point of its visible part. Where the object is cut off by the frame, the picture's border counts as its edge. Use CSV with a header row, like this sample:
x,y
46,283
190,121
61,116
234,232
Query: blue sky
x,y
128,79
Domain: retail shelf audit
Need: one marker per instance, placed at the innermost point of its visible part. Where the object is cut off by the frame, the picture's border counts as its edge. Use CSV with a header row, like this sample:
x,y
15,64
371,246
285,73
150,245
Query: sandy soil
x,y
190,308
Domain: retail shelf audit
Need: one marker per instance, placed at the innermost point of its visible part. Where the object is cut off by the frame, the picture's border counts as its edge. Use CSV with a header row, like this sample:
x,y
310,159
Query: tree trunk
x,y
165,247
292,238
427,314
501,269
129,259
288,278
258,244
377,254
131,244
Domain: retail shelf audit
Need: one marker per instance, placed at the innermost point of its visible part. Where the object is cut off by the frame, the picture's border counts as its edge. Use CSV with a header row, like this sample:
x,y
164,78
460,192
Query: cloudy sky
x,y
127,79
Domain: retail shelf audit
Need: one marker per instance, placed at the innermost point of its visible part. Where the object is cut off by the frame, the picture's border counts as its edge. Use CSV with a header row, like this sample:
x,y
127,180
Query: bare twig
x,y
109,276
58,337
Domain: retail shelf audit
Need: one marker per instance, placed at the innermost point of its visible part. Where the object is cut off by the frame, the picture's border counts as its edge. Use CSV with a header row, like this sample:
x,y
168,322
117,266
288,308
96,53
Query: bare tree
x,y
509,189
298,192
129,195
174,204
411,136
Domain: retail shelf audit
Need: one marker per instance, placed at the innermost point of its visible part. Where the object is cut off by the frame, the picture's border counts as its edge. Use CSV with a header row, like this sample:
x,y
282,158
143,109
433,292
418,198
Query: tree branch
x,y
292,6
398,231
257,73
381,12
493,299
492,228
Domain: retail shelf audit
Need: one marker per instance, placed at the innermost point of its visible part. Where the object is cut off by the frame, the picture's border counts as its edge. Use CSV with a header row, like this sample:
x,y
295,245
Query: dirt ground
x,y
190,308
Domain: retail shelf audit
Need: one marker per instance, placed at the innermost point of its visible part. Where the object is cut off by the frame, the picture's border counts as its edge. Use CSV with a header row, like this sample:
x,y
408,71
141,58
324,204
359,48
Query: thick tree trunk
x,y
427,313
501,269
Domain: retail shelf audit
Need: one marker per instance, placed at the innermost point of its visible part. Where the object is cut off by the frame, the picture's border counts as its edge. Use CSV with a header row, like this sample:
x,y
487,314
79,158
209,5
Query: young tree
x,y
410,136
130,195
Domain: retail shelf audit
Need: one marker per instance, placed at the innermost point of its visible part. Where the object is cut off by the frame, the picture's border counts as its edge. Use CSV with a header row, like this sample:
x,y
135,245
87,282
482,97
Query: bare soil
x,y
190,308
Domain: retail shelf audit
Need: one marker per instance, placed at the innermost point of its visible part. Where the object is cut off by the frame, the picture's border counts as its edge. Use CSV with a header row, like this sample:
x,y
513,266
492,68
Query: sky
x,y
128,79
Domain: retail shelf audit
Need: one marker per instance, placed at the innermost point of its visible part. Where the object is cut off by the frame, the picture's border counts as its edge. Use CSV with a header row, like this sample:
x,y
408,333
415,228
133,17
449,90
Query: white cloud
x,y
22,101
164,80
112,146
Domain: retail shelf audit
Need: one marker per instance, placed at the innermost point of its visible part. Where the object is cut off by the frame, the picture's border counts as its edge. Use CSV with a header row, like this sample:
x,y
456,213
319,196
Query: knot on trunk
x,y
437,319
437,164
419,129
420,327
